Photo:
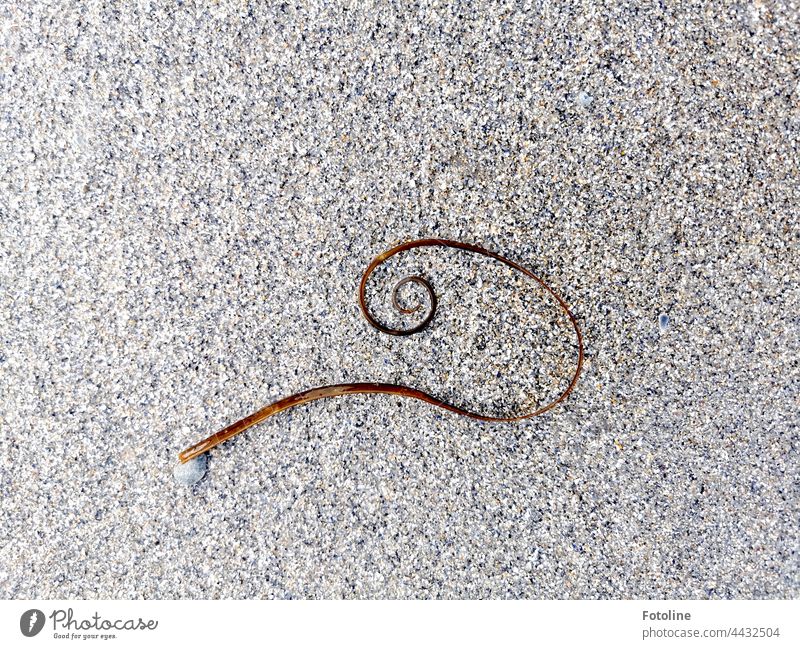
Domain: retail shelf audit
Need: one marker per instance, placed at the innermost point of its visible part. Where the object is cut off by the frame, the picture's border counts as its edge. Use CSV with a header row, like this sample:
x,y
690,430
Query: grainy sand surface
x,y
188,197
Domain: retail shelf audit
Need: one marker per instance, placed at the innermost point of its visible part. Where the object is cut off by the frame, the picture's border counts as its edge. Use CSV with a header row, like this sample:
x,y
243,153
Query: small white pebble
x,y
191,472
584,98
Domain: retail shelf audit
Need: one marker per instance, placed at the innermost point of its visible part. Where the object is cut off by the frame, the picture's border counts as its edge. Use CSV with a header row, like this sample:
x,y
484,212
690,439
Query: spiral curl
x,y
389,388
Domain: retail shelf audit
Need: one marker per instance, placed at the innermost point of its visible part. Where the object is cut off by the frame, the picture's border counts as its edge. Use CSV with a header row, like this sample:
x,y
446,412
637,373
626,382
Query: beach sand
x,y
188,199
